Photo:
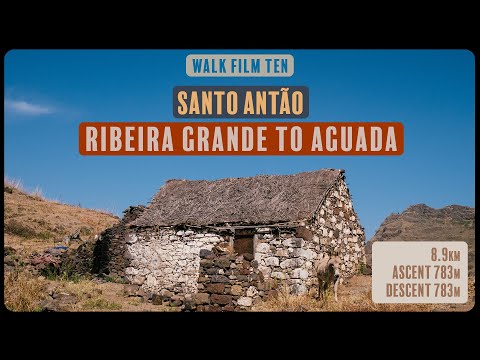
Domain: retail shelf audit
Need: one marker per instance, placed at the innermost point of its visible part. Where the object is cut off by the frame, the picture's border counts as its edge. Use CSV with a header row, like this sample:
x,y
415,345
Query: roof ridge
x,y
262,199
254,176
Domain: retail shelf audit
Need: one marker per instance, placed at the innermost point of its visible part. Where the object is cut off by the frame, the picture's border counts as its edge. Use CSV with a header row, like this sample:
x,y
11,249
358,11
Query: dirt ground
x,y
35,224
360,285
93,295
112,298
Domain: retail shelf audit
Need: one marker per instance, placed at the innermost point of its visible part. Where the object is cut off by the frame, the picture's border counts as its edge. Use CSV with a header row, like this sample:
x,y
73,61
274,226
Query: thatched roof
x,y
263,199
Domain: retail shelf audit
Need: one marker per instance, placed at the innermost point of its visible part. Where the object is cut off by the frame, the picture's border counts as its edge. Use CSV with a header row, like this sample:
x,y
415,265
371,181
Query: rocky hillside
x,y
32,223
423,223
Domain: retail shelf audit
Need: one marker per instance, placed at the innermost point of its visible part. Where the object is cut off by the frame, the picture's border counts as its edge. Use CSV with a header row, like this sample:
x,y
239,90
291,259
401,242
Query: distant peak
x,y
419,207
425,209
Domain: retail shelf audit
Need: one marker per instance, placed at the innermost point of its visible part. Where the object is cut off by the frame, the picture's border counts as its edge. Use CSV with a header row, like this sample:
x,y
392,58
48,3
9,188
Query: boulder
x,y
245,301
263,248
272,261
248,257
252,291
130,289
217,288
236,290
166,294
206,254
202,298
206,263
223,263
220,299
298,289
219,279
278,275
299,273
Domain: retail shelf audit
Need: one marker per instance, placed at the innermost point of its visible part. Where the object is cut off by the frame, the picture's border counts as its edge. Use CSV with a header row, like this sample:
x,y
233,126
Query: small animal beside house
x,y
328,273
300,230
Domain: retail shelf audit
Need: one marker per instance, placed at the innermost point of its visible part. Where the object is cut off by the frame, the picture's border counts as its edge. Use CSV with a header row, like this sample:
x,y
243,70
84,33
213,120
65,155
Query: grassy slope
x,y
32,223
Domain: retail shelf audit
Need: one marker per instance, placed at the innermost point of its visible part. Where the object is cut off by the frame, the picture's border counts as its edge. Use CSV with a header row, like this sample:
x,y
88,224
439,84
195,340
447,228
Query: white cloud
x,y
26,108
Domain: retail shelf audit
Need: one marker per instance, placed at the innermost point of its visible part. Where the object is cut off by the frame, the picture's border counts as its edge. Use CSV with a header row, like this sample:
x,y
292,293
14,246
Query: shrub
x,y
37,193
115,279
13,227
362,268
84,230
12,183
23,291
101,304
65,272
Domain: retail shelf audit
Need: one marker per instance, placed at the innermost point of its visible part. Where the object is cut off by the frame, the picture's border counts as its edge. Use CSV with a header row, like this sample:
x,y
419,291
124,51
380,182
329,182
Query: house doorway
x,y
244,241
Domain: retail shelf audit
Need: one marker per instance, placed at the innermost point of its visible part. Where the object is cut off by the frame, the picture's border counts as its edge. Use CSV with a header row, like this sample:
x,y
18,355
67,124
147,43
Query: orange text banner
x,y
241,138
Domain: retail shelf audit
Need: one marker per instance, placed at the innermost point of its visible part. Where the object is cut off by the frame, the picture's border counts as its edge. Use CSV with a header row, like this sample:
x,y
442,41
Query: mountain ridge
x,y
421,222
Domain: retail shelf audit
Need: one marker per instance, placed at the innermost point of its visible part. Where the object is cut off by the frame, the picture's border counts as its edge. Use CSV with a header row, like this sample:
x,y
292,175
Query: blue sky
x,y
48,93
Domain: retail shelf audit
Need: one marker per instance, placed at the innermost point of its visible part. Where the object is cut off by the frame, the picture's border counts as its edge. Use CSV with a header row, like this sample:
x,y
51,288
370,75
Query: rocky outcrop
x,y
48,262
57,301
423,223
10,258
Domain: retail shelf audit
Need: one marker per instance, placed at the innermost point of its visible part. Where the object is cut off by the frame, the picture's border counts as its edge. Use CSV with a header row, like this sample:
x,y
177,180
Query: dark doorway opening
x,y
243,243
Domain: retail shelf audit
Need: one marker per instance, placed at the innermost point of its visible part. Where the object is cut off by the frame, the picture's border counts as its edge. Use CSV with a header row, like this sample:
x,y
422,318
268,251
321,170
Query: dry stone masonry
x,y
338,230
246,253
229,282
109,251
166,259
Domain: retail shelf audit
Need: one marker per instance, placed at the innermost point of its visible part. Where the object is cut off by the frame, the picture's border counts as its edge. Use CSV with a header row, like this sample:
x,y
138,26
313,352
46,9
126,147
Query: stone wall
x,y
339,231
193,270
166,259
230,282
176,264
289,255
109,250
226,282
287,259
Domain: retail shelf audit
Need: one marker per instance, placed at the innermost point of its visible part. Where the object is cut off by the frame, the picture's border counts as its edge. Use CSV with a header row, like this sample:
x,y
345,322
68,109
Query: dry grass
x,y
82,290
92,296
22,291
37,193
104,211
286,302
89,296
17,185
33,223
101,304
13,183
359,302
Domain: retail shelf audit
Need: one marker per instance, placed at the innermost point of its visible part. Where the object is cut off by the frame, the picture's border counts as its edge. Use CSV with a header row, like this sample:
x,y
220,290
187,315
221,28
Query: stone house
x,y
232,241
